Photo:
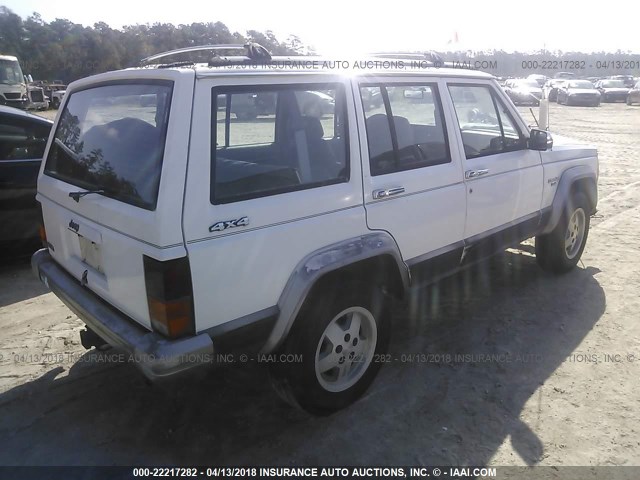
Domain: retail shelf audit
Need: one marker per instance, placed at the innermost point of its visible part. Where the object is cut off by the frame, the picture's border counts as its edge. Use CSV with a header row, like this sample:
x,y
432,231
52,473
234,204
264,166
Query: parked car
x,y
23,138
541,79
627,80
634,94
551,89
523,91
612,90
578,92
180,236
371,98
565,75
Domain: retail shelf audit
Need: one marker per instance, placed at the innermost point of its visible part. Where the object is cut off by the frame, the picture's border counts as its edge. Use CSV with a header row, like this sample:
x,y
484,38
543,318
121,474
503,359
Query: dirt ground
x,y
520,367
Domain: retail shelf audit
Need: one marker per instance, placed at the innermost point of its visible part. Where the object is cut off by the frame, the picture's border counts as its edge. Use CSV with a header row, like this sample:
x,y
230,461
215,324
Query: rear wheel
x,y
333,345
560,250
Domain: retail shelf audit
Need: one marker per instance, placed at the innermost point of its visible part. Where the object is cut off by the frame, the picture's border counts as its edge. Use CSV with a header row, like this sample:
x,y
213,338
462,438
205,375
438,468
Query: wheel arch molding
x,y
579,178
348,257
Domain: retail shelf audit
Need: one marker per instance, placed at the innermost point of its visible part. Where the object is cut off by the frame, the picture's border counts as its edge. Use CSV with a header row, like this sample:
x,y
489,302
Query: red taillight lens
x,y
170,296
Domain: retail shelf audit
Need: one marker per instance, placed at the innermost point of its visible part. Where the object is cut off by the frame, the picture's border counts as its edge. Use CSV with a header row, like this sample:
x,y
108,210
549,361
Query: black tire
x,y
296,381
551,252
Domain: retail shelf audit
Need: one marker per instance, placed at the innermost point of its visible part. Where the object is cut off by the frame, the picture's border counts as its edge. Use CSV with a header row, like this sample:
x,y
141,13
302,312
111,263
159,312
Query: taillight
x,y
170,296
42,233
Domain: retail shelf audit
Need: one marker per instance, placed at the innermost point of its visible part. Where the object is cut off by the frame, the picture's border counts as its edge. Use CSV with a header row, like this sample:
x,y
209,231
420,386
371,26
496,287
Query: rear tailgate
x,y
124,136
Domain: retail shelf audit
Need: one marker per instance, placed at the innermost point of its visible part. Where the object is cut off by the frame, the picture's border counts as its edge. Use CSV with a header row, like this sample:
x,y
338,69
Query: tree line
x,y
64,50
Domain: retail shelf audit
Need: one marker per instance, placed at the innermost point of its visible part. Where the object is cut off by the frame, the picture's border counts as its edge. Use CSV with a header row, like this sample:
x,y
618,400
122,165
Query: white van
x,y
179,225
13,89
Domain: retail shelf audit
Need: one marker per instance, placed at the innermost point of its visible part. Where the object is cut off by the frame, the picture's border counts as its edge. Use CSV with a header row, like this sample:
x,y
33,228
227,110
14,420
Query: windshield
x,y
613,84
581,84
10,72
111,138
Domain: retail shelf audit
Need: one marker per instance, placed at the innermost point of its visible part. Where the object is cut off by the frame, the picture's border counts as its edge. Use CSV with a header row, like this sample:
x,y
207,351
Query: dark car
x,y
612,90
551,89
626,79
634,94
578,92
23,138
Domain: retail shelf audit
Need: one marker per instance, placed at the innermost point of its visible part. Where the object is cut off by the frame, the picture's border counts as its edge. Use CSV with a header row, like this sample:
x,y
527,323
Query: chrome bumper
x,y
155,355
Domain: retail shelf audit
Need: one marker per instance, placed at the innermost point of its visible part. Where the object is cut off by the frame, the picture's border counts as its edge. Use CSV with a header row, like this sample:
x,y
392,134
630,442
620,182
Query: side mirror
x,y
540,140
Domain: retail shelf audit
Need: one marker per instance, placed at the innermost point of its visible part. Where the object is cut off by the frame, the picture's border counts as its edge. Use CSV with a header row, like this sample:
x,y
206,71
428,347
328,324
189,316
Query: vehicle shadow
x,y
490,337
17,281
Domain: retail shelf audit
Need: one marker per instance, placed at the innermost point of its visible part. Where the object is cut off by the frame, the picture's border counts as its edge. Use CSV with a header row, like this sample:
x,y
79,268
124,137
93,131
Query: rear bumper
x,y
156,356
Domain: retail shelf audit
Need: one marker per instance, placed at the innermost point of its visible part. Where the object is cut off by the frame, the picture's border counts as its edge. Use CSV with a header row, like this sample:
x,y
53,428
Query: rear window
x,y
111,138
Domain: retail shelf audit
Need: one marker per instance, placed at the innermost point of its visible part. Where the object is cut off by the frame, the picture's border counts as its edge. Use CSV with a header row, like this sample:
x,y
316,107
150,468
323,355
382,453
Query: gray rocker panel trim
x,y
568,178
322,261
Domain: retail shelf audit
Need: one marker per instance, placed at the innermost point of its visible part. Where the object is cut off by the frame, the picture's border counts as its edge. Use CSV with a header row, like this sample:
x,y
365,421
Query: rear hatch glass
x,y
110,139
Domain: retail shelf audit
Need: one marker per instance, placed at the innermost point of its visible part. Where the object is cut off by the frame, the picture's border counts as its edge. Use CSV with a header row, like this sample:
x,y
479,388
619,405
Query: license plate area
x,y
90,253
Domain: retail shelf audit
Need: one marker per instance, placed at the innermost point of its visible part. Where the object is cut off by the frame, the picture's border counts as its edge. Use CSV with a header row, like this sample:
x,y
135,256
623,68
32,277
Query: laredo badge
x,y
220,226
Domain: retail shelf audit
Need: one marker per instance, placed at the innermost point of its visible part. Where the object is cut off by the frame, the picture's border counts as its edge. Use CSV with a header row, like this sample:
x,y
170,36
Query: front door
x,y
503,177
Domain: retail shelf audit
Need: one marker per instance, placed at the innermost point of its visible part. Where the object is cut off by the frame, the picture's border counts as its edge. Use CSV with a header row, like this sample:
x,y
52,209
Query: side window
x,y
22,139
486,126
276,139
405,127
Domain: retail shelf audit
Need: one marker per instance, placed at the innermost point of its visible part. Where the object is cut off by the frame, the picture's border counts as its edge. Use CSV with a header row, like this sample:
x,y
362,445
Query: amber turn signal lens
x,y
170,296
43,235
171,318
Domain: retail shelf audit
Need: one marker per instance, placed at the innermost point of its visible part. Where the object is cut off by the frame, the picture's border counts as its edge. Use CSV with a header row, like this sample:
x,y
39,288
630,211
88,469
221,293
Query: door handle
x,y
475,173
389,192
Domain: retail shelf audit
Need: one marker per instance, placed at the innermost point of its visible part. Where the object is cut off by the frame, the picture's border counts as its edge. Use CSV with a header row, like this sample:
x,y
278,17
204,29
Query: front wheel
x,y
560,250
334,343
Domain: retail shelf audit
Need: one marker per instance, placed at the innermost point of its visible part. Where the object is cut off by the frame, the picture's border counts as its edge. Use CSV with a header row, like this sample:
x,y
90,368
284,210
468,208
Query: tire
x,y
317,388
560,250
629,101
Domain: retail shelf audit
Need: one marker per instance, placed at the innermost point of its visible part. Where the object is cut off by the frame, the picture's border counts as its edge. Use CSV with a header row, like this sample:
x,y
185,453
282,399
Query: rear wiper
x,y
77,195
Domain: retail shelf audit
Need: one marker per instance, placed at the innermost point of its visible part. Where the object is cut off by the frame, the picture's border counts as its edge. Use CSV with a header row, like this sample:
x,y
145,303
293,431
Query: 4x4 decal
x,y
220,226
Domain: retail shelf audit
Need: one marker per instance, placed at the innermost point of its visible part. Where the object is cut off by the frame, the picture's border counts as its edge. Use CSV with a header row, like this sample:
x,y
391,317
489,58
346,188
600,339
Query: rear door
x,y
274,175
413,185
112,183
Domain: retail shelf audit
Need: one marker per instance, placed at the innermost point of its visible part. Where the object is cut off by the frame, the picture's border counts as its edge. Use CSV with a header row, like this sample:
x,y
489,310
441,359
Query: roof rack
x,y
253,52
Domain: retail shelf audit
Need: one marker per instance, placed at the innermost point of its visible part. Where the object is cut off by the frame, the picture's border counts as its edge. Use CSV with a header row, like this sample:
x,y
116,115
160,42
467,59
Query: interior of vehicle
x,y
416,124
300,144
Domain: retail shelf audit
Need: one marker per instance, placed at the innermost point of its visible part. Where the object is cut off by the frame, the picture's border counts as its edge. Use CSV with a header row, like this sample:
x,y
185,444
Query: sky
x,y
342,27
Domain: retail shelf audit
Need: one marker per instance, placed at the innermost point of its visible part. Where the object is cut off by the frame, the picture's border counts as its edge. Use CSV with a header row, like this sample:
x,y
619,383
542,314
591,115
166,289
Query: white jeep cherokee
x,y
194,209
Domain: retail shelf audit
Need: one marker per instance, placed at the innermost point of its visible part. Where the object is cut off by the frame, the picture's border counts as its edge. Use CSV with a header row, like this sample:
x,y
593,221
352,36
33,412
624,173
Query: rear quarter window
x,y
111,138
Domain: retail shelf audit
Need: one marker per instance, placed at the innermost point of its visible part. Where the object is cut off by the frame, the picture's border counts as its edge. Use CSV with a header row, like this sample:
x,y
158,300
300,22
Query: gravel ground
x,y
514,366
